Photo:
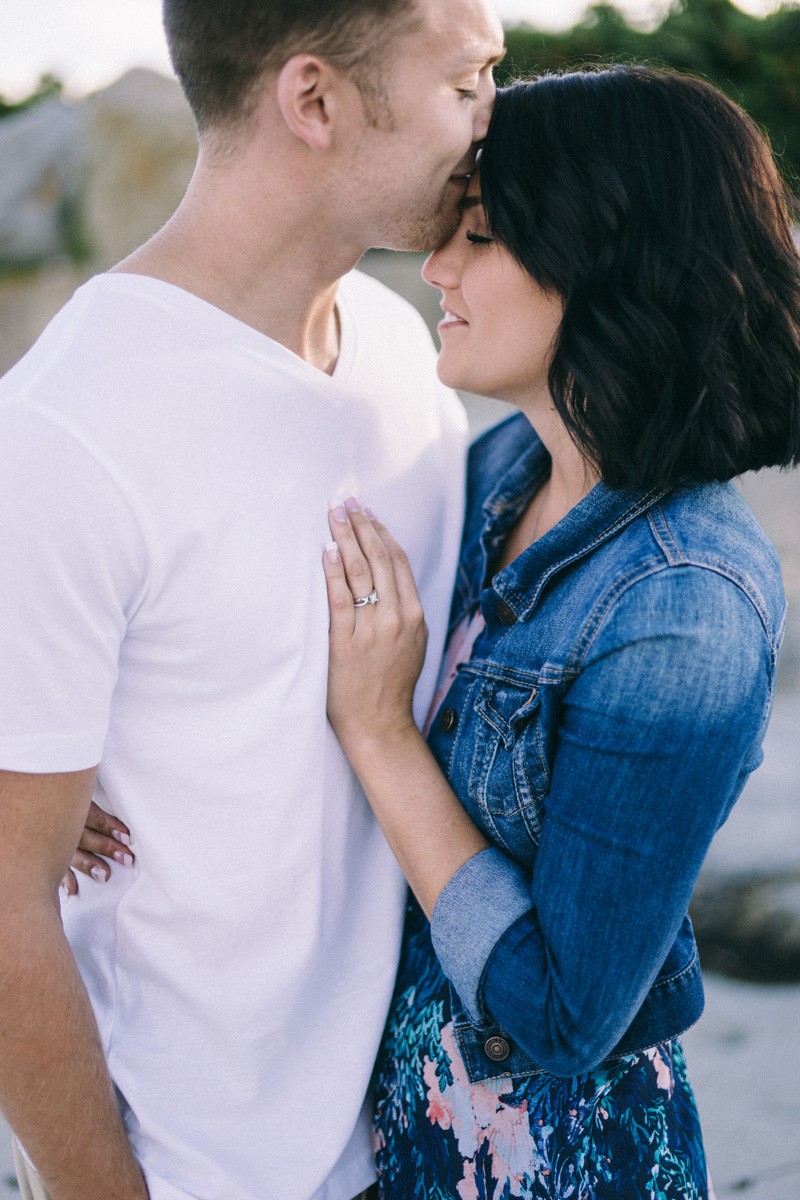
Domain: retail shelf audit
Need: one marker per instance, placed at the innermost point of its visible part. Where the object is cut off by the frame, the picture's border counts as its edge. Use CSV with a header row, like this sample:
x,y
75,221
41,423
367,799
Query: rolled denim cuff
x,y
482,900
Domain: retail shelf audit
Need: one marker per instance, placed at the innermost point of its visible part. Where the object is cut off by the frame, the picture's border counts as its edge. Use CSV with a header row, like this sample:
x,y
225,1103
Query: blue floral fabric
x,y
626,1130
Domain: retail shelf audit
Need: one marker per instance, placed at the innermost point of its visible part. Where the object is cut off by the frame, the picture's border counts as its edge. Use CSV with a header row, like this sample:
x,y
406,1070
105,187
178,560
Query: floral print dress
x,y
627,1130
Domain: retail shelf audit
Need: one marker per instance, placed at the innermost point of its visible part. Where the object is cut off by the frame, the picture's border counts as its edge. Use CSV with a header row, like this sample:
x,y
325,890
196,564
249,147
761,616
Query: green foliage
x,y
47,86
755,61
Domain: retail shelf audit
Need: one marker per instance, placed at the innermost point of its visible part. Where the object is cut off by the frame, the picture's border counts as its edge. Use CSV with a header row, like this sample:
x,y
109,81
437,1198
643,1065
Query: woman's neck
x,y
571,478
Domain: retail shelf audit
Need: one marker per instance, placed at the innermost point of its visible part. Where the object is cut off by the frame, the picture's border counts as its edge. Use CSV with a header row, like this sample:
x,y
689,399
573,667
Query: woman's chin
x,y
454,375
463,380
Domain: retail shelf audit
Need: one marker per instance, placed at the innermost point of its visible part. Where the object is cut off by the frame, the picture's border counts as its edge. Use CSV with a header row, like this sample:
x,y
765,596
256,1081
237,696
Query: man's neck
x,y
271,264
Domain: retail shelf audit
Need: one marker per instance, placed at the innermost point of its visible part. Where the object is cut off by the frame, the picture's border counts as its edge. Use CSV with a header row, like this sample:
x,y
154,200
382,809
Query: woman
x,y
624,273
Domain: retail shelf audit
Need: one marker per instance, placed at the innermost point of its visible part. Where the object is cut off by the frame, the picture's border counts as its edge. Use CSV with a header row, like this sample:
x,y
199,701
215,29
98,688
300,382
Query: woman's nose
x,y
440,268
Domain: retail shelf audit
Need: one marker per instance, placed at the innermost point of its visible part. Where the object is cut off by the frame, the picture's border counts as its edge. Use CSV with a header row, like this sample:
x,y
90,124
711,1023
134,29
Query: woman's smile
x,y
450,320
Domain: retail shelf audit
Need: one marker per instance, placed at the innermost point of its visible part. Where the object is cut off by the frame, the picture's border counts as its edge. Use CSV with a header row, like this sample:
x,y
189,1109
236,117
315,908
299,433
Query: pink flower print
x,y
468,1188
466,1107
664,1078
513,1152
439,1111
477,1115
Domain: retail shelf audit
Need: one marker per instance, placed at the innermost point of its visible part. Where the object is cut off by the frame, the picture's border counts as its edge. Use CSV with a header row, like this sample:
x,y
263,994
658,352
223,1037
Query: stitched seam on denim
x,y
522,804
503,727
532,815
671,978
551,675
454,743
663,535
645,570
523,789
540,749
707,562
610,1058
641,505
487,669
506,501
487,708
451,756
593,623
649,1045
532,790
478,792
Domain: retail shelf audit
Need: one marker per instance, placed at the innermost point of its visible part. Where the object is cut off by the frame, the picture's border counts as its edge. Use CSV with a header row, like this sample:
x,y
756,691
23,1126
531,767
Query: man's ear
x,y
306,93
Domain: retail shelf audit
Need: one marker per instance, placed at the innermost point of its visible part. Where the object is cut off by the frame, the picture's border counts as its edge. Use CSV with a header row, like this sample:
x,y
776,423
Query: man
x,y
167,451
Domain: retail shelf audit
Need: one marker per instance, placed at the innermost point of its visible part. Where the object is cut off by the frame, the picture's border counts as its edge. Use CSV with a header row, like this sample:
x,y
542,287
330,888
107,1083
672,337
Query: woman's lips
x,y
451,320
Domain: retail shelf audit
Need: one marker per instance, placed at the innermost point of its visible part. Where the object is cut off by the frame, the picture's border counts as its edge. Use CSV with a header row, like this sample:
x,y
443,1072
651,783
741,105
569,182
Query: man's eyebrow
x,y
492,60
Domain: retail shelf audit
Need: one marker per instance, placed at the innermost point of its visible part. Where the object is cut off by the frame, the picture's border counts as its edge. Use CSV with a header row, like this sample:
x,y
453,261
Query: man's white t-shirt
x,y
165,474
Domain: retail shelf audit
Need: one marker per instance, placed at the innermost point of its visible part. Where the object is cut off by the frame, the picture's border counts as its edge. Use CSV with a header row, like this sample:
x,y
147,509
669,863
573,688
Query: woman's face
x,y
500,326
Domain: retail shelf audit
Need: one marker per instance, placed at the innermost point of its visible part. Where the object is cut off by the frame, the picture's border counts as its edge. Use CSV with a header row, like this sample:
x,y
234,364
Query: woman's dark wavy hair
x,y
652,205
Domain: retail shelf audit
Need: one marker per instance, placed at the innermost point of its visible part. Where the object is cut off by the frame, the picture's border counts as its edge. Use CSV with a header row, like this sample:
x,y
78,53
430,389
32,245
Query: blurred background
x,y
96,148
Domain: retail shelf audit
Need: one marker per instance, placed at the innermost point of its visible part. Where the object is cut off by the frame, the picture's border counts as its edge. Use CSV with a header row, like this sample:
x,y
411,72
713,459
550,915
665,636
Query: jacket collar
x,y
597,517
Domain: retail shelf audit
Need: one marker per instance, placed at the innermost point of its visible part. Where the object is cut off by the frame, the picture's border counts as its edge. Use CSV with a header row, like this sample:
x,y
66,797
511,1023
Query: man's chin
x,y
429,233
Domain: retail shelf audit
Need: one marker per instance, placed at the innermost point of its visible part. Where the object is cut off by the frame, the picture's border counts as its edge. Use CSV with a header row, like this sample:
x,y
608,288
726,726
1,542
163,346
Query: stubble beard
x,y
426,231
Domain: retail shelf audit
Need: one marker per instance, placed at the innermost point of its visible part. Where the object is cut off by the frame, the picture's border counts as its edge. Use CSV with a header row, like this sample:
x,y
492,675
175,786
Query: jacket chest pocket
x,y
510,775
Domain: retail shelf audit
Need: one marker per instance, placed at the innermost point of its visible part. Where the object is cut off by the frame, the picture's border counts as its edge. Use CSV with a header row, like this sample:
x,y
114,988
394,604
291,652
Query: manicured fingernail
x,y
352,505
122,857
339,513
99,874
332,552
369,514
121,837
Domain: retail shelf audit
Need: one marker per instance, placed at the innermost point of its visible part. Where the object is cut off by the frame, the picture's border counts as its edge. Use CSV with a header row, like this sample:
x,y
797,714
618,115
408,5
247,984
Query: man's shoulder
x,y
373,302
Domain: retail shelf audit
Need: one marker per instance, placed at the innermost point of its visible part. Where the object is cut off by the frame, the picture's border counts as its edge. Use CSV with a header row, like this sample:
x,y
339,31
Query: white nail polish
x,y
332,552
122,857
99,874
121,837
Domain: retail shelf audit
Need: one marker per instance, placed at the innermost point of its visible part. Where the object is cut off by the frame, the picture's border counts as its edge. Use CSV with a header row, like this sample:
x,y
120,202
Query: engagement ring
x,y
372,598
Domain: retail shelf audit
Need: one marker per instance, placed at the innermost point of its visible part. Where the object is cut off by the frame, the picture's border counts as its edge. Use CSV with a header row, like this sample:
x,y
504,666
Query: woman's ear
x,y
306,96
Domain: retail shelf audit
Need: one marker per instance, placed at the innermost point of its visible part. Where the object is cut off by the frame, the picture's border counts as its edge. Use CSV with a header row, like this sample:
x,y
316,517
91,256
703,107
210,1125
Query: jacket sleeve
x,y
657,734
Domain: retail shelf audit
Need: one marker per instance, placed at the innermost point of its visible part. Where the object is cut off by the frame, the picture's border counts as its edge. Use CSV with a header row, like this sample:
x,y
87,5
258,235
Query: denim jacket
x,y
599,736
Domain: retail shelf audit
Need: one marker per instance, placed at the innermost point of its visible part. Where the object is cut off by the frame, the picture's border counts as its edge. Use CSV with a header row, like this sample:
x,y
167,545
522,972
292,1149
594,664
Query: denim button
x,y
497,1049
447,719
505,615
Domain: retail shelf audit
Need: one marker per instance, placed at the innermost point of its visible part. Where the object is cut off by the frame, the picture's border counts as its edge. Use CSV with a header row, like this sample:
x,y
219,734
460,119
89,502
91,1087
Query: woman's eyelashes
x,y
478,239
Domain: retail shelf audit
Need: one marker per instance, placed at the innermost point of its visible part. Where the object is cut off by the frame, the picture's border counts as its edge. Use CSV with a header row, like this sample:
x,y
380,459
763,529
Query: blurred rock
x,y
42,163
746,906
749,927
142,150
80,187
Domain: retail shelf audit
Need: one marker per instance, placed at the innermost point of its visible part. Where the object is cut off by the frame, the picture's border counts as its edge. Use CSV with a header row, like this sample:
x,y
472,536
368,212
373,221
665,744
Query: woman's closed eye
x,y
478,239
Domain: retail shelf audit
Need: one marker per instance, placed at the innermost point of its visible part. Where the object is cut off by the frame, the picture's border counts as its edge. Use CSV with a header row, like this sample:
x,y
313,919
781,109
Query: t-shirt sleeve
x,y
73,570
